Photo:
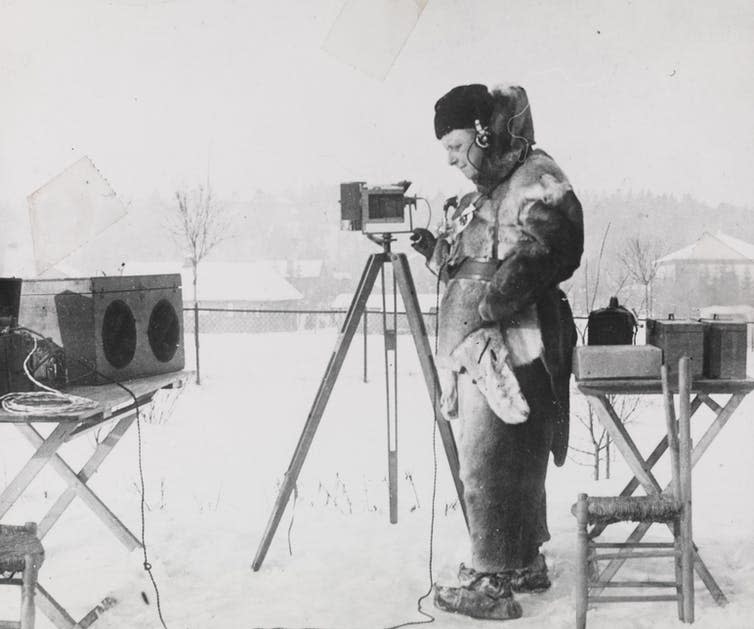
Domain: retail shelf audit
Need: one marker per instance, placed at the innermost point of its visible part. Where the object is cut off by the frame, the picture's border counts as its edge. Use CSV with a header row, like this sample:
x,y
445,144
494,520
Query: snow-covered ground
x,y
213,464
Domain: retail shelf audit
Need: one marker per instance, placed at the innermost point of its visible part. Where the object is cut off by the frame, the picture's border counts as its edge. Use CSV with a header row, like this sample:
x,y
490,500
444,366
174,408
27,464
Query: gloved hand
x,y
423,241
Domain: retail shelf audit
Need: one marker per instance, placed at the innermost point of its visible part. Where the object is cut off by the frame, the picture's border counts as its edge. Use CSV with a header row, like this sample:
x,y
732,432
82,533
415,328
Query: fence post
x,y
196,341
366,312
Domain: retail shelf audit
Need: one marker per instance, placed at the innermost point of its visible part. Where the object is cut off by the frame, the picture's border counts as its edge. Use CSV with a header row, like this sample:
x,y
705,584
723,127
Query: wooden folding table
x,y
597,392
116,408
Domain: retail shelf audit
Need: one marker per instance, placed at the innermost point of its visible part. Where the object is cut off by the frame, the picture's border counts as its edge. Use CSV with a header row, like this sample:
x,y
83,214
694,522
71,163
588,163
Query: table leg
x,y
629,449
716,426
624,443
46,449
652,459
52,609
77,484
61,618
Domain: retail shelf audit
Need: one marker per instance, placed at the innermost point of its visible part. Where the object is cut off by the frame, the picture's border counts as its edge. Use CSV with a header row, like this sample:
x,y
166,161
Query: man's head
x,y
462,118
486,132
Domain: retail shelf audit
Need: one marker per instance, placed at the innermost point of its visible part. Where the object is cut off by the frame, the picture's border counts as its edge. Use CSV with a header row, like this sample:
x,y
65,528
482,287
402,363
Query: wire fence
x,y
263,320
260,321
205,320
199,321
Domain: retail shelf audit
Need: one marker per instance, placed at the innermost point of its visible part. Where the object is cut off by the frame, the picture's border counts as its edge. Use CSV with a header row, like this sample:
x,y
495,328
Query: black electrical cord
x,y
146,564
430,561
470,161
429,209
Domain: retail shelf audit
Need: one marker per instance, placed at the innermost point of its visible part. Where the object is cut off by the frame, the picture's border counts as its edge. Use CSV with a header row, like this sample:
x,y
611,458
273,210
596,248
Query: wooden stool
x,y
21,551
672,508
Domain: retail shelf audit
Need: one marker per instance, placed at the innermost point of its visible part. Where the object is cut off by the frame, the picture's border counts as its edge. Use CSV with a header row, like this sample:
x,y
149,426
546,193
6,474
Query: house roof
x,y
298,269
225,281
713,247
216,281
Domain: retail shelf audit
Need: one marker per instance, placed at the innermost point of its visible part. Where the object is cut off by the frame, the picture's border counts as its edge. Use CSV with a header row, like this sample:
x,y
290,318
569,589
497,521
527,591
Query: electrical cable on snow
x,y
146,564
423,597
293,515
429,618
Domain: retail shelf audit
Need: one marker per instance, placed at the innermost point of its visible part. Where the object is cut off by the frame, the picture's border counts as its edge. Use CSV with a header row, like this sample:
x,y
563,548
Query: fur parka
x,y
526,215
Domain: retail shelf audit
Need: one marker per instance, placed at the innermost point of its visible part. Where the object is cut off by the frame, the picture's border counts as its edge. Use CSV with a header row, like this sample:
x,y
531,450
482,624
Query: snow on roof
x,y
717,246
299,269
307,268
148,268
216,281
427,302
242,281
224,281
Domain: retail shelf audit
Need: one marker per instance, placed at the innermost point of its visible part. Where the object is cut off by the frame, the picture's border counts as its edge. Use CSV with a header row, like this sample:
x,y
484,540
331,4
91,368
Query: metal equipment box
x,y
676,338
614,325
724,349
597,362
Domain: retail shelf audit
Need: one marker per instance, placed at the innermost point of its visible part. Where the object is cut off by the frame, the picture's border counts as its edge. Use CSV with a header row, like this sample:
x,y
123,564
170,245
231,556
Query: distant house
x,y
224,288
312,278
715,270
227,284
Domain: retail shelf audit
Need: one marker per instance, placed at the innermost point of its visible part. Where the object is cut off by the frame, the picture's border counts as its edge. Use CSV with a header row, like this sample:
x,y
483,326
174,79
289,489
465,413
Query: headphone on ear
x,y
482,138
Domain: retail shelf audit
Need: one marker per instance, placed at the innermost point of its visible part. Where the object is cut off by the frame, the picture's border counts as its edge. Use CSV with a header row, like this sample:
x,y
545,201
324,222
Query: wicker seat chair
x,y
21,553
672,507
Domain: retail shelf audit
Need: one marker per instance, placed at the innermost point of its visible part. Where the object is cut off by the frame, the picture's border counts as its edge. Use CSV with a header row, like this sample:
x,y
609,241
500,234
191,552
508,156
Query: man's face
x,y
463,153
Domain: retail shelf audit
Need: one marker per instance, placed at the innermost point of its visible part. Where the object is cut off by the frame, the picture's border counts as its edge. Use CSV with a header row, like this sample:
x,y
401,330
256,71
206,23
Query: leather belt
x,y
476,269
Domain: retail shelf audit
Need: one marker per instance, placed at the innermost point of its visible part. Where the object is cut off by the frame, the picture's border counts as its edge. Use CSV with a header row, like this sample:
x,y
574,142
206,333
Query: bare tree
x,y
639,259
590,292
199,224
625,407
592,283
599,439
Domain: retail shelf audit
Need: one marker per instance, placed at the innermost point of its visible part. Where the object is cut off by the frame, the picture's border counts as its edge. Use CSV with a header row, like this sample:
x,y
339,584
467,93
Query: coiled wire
x,y
45,403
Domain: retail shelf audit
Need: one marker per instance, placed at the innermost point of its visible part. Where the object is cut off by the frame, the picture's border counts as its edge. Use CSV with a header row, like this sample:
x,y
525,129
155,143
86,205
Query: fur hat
x,y
461,107
504,110
511,132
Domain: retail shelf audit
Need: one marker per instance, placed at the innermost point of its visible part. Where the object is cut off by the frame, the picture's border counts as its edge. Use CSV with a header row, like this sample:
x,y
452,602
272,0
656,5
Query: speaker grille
x,y
119,334
164,331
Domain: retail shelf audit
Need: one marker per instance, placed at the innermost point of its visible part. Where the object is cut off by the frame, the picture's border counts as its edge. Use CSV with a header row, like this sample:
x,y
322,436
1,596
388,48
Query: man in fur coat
x,y
502,255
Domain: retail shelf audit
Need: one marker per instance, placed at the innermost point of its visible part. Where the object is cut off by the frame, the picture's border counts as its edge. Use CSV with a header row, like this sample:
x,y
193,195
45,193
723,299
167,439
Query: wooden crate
x,y
724,349
676,338
616,362
110,327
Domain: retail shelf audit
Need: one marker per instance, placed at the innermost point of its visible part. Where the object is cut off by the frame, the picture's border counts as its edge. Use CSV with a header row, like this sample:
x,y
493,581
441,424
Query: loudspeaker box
x,y
111,328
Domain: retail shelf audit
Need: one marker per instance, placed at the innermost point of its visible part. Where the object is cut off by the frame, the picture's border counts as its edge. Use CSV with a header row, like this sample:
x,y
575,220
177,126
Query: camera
x,y
382,209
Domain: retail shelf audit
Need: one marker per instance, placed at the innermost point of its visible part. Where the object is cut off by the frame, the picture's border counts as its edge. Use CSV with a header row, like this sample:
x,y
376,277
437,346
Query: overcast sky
x,y
625,95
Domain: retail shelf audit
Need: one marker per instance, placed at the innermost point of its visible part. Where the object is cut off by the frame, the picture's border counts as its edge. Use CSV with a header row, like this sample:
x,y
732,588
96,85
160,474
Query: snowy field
x,y
212,466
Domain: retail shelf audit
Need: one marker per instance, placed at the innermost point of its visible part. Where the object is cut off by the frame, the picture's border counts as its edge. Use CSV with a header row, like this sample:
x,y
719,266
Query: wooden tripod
x,y
402,275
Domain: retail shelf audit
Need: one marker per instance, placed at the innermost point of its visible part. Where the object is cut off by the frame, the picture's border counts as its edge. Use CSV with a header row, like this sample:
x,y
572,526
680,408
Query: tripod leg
x,y
355,311
389,333
419,332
